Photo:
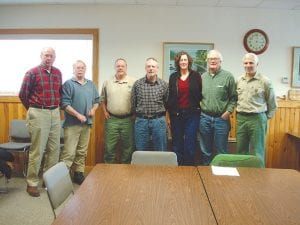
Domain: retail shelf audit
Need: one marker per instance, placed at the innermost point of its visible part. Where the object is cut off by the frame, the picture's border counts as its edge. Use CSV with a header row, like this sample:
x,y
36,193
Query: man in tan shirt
x,y
256,104
116,104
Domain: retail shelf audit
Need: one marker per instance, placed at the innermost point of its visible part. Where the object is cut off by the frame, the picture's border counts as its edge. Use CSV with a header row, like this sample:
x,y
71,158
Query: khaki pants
x,y
44,129
76,140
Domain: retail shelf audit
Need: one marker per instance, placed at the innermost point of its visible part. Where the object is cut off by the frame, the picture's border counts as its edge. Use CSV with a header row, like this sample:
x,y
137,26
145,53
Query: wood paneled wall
x,y
281,152
12,108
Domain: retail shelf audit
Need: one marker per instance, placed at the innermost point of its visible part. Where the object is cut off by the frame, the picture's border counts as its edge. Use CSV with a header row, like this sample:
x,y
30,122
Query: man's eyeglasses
x,y
213,59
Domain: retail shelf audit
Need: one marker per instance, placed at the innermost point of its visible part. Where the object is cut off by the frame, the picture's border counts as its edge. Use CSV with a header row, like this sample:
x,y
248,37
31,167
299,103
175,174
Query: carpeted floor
x,y
18,208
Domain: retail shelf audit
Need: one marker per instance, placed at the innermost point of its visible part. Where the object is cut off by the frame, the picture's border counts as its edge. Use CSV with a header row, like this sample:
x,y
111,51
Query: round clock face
x,y
256,41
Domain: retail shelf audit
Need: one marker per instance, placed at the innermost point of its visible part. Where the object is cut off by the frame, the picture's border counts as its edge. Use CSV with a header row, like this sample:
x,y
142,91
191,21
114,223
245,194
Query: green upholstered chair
x,y
234,160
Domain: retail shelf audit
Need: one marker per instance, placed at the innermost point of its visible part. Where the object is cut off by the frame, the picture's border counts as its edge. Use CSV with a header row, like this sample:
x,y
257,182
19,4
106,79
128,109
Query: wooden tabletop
x,y
294,135
257,196
139,195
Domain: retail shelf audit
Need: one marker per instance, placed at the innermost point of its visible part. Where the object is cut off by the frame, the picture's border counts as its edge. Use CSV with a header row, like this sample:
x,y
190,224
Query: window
x,y
20,51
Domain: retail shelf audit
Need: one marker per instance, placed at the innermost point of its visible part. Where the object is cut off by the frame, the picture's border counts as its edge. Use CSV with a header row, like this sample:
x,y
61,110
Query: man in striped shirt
x,y
149,99
40,95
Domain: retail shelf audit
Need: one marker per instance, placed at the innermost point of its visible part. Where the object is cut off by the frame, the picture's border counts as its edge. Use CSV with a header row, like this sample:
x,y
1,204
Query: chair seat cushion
x,y
15,146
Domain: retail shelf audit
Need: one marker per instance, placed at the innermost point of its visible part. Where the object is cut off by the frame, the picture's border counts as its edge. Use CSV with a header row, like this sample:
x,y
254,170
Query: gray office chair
x,y
58,185
235,160
154,158
19,141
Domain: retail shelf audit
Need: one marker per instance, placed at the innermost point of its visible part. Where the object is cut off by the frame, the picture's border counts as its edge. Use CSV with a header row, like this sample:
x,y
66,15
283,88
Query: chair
x,y
234,160
58,185
154,158
19,141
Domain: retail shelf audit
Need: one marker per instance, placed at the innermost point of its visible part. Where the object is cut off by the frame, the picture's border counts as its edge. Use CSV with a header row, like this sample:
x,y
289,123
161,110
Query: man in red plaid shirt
x,y
40,94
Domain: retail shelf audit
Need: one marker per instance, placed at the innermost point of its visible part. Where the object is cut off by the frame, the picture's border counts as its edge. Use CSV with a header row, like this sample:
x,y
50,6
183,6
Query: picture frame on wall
x,y
198,51
296,68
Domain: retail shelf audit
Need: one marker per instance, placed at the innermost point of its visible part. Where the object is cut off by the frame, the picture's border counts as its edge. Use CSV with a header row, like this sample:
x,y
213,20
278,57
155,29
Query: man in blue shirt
x,y
80,99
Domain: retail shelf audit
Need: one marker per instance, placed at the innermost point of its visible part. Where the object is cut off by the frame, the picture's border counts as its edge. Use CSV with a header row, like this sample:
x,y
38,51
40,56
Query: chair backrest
x,y
234,160
154,158
58,183
18,131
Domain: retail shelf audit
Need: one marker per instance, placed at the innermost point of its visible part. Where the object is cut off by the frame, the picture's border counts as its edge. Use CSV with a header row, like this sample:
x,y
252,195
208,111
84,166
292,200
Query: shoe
x,y
78,177
33,191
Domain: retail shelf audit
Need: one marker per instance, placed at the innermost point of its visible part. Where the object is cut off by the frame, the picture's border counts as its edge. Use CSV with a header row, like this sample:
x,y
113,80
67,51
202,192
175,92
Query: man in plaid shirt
x,y
149,100
40,95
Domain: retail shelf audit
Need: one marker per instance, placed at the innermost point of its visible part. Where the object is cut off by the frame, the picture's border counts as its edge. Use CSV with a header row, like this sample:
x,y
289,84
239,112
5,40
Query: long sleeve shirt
x,y
81,97
218,92
149,98
41,87
256,95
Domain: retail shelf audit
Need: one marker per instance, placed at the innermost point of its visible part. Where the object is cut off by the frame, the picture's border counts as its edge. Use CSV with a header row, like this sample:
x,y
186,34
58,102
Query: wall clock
x,y
256,41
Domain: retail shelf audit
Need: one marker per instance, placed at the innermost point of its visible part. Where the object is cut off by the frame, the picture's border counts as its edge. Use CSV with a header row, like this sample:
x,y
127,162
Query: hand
x,y
82,118
92,112
225,115
106,115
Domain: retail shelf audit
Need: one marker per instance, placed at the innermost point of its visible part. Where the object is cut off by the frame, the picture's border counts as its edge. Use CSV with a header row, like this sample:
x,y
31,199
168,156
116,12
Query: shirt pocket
x,y
221,92
259,92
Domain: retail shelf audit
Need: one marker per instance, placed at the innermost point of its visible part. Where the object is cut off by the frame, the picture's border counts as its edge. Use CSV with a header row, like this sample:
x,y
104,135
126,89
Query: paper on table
x,y
227,171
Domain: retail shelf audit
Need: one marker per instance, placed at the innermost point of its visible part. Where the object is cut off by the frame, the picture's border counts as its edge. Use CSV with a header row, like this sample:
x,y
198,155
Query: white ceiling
x,y
259,4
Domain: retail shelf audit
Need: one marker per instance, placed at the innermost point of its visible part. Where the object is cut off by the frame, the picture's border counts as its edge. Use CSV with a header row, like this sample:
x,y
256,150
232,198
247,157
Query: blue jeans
x,y
184,127
213,135
151,134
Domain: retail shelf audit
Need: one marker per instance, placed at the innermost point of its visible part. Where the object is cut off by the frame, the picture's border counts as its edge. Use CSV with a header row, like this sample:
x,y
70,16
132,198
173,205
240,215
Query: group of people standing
x,y
135,112
42,94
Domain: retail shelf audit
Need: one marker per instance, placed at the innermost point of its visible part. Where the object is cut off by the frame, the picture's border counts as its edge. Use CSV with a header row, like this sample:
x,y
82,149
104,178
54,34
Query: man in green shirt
x,y
219,100
256,104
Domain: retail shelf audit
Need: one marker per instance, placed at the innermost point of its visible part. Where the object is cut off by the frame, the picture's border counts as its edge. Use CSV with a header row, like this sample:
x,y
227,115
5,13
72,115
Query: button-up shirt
x,y
219,92
117,95
256,95
41,87
149,98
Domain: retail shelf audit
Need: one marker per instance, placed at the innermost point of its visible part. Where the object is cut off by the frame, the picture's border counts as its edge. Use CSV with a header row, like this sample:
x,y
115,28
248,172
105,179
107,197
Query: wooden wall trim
x,y
281,151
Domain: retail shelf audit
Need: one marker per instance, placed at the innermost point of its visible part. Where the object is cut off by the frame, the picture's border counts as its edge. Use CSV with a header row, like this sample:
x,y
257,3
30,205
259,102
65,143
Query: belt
x,y
43,107
248,113
213,114
153,116
120,116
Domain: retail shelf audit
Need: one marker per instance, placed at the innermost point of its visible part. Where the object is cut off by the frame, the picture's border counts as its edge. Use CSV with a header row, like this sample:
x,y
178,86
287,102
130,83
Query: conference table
x,y
118,194
256,196
139,195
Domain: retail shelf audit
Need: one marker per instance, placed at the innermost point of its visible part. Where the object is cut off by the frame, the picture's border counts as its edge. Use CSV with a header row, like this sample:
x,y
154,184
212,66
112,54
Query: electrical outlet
x,y
285,80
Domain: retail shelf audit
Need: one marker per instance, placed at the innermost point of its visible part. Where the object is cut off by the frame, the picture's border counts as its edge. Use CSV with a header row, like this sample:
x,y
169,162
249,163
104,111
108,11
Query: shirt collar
x,y
44,68
75,80
124,80
257,76
152,83
216,73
